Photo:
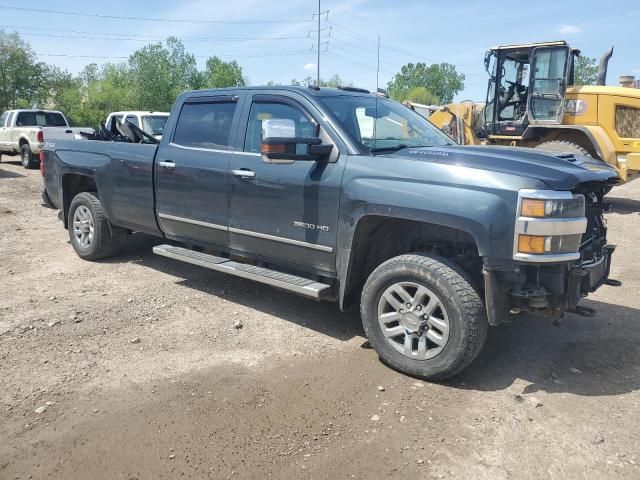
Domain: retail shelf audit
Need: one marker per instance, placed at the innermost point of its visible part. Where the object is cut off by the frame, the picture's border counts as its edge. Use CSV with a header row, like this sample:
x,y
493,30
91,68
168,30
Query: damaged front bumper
x,y
549,290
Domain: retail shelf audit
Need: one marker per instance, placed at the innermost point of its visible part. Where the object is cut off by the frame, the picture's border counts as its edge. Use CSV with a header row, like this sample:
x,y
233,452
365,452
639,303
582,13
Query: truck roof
x,y
34,110
139,112
308,91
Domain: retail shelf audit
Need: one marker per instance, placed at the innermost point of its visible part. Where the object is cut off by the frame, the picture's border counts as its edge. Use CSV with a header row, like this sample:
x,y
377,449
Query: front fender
x,y
484,210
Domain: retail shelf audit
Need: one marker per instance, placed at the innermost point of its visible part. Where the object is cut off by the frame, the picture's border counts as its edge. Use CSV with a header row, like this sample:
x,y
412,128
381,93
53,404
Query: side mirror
x,y
283,150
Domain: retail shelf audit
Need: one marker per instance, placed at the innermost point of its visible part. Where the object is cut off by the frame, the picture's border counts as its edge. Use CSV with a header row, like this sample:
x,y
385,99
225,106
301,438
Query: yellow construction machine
x,y
532,102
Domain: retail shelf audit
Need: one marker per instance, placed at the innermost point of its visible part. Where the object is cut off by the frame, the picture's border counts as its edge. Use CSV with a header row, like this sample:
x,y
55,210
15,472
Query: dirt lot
x,y
142,374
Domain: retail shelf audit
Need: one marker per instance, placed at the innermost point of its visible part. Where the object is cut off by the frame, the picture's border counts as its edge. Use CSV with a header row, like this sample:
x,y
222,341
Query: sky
x,y
276,40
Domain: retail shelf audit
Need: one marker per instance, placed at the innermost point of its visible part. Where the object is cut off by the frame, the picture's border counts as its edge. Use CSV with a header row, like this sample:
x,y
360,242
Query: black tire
x,y
564,146
466,315
106,237
26,155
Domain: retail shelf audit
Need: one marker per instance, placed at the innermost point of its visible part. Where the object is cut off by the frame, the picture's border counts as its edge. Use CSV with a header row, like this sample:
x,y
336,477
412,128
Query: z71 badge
x,y
311,226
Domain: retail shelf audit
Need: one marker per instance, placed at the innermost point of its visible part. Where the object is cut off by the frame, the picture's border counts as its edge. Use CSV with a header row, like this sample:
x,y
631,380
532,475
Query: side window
x,y
286,120
3,118
133,119
9,120
205,125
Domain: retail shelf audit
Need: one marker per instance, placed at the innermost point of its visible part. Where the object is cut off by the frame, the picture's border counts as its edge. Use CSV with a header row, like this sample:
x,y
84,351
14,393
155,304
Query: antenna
x,y
375,118
318,65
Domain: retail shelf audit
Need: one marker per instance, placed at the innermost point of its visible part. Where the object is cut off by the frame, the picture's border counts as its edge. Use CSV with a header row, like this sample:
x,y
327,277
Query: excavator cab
x,y
527,85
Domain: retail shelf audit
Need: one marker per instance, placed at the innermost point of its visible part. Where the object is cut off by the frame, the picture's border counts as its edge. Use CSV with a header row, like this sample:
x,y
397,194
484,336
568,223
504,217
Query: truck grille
x,y
628,122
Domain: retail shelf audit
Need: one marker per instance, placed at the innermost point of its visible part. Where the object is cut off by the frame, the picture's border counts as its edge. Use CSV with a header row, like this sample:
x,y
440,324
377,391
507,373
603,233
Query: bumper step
x,y
303,286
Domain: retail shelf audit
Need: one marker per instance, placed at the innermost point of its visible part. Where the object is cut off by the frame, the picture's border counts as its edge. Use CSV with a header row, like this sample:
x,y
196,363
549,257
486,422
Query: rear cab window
x,y
205,124
40,119
3,119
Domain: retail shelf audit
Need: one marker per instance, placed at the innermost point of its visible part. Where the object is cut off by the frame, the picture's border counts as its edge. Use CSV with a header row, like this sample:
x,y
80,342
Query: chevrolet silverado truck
x,y
341,195
23,132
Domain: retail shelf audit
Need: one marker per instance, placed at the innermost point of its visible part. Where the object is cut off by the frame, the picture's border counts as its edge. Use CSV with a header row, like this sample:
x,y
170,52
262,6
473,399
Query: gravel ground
x,y
132,368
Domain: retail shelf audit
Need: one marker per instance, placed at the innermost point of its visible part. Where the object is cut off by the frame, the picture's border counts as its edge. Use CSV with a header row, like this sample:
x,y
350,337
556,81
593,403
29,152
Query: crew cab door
x,y
191,170
548,84
288,211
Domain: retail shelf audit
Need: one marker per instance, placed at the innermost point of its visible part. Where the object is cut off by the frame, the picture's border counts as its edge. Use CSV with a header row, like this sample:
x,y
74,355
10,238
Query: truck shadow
x,y
322,317
584,356
623,206
8,174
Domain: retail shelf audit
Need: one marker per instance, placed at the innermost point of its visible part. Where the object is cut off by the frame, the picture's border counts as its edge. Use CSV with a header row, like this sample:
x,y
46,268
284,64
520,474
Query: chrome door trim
x,y
249,233
290,241
215,150
200,223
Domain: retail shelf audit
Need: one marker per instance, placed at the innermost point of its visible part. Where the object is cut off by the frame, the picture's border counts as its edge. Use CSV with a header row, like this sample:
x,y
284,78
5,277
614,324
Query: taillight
x,y
40,136
42,162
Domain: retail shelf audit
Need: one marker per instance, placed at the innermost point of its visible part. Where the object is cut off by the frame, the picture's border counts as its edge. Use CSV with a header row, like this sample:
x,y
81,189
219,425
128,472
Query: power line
x,y
148,19
229,55
133,36
158,39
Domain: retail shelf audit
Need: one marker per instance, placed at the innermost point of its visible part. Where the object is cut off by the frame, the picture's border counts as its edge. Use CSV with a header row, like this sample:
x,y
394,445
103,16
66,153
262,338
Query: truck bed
x,y
122,173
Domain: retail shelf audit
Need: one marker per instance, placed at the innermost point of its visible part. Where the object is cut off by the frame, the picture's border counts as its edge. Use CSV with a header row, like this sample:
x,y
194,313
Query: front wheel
x,y
422,316
26,155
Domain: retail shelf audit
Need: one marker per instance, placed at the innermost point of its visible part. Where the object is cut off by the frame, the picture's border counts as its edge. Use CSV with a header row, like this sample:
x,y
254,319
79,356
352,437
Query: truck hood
x,y
561,171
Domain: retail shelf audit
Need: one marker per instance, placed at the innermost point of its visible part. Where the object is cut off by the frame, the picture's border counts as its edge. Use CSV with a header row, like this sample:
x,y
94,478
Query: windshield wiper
x,y
395,148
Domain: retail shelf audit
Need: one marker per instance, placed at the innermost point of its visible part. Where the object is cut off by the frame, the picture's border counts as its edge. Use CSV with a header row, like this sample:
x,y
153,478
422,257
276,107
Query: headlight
x,y
553,208
549,226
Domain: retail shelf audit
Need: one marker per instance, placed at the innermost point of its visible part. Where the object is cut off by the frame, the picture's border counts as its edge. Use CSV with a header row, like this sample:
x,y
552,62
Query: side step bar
x,y
293,283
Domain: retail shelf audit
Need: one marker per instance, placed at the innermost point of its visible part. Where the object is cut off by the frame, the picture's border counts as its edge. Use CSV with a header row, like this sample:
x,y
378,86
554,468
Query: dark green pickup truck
x,y
342,195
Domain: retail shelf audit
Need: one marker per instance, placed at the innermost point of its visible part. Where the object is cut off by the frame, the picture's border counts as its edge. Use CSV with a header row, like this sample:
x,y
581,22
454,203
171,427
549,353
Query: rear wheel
x,y
564,146
26,155
423,317
90,233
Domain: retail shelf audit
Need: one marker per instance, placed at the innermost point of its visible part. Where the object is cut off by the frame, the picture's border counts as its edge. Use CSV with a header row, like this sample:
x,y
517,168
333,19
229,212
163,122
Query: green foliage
x,y
441,80
585,71
421,95
334,81
220,74
159,73
21,76
151,80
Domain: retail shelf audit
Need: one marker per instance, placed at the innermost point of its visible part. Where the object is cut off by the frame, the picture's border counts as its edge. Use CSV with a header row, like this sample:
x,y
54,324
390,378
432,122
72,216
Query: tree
x,y
421,95
21,76
334,81
220,74
585,71
159,73
442,80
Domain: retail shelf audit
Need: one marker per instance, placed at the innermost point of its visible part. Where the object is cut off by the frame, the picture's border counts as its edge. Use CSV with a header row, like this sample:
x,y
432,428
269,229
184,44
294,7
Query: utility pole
x,y
319,32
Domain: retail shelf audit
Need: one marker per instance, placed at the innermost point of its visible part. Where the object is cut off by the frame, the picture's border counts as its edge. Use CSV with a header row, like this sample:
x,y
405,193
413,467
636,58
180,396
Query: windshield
x,y
382,124
40,119
154,124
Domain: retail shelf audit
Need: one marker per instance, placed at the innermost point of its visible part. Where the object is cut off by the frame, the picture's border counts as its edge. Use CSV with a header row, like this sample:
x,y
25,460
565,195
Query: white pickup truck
x,y
23,132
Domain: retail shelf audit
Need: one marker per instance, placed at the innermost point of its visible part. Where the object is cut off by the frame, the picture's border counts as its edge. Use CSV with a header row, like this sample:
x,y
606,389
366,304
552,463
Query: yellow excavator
x,y
532,102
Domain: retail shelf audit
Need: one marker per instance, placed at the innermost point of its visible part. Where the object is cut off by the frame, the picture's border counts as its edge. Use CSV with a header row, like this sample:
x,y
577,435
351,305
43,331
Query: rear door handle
x,y
168,164
243,173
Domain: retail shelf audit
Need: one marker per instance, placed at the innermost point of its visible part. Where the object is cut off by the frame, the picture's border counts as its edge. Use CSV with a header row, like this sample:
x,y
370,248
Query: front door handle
x,y
168,164
243,173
